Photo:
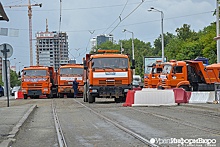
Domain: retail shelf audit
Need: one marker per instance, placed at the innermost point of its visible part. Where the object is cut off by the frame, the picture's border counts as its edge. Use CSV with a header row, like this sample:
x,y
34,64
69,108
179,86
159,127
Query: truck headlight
x,y
45,89
94,90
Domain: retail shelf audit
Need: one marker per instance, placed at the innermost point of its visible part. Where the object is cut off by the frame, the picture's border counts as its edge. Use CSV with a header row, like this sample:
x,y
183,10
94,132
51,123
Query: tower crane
x,y
29,5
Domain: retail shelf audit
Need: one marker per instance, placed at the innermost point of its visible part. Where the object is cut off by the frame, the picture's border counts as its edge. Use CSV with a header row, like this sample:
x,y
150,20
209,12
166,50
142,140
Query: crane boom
x,y
23,5
29,5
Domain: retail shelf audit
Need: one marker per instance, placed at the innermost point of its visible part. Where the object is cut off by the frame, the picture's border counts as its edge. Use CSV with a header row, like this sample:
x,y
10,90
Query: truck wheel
x,y
118,100
61,95
160,88
49,95
25,96
124,98
91,98
54,95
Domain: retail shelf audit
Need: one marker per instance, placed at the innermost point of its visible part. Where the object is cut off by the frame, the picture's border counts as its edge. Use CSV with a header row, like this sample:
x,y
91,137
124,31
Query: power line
x,y
77,31
83,52
84,8
127,16
150,21
117,18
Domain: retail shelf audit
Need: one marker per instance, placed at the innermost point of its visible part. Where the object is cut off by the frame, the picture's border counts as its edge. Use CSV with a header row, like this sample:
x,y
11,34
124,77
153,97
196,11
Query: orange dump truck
x,y
66,75
37,81
107,75
151,78
190,75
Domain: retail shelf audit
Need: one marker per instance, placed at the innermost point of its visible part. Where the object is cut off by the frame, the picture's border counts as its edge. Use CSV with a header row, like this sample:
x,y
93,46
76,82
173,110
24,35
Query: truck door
x,y
177,75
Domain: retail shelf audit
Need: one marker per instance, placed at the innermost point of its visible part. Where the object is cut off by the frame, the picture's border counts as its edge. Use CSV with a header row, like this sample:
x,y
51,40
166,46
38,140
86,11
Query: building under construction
x,y
52,48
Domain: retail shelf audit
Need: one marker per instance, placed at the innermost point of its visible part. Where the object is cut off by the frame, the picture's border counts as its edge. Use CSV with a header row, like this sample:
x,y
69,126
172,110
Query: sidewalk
x,y
11,119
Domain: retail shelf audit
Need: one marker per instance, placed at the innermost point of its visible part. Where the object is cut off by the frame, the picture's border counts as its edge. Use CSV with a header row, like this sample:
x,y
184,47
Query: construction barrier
x,y
181,96
217,92
154,97
129,98
202,97
19,95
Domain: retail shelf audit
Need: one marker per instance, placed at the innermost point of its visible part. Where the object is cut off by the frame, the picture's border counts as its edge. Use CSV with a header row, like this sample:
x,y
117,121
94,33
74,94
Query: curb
x,y
202,107
11,136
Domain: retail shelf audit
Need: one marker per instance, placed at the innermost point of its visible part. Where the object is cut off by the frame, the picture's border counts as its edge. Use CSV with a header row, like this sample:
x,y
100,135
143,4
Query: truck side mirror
x,y
84,64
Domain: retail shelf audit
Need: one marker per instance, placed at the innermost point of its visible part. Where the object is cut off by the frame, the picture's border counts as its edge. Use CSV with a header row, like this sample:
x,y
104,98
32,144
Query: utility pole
x,y
217,31
29,5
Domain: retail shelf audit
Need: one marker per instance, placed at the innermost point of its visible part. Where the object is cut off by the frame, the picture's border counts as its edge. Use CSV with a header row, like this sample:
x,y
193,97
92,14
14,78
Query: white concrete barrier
x,y
149,89
202,97
154,97
16,95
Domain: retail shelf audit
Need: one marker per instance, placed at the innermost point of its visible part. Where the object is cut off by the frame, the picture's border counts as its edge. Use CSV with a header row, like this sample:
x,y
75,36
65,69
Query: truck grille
x,y
164,82
116,82
146,83
34,85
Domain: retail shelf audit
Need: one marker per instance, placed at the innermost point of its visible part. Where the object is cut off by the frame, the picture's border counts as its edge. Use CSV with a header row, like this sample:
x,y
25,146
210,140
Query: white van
x,y
136,80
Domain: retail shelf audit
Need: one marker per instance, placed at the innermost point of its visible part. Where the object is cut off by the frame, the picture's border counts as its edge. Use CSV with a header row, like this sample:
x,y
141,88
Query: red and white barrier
x,y
150,97
19,95
181,96
154,97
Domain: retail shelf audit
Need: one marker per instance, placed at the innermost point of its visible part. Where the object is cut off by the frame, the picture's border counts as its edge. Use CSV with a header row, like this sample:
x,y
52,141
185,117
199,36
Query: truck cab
x,y
66,75
107,75
151,78
38,81
190,75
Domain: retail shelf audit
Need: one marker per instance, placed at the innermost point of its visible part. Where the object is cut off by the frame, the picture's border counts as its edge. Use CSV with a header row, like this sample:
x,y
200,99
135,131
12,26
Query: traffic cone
x,y
129,98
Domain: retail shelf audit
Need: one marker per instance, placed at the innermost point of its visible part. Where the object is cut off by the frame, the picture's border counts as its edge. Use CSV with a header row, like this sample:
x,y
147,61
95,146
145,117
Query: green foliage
x,y
1,82
185,45
14,79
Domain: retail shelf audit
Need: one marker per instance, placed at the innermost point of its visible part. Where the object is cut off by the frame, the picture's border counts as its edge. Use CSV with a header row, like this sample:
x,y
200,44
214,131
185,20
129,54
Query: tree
x,y
208,43
184,32
1,82
14,79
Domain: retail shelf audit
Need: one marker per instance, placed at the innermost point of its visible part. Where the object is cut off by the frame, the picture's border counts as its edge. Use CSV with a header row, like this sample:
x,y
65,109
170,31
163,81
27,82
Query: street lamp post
x,y
132,47
162,37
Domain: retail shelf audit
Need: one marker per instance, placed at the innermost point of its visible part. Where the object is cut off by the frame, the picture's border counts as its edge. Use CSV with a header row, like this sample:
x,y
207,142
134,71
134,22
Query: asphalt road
x,y
161,125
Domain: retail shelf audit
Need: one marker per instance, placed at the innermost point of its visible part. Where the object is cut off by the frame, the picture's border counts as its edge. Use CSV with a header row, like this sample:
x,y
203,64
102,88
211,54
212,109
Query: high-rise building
x,y
100,39
93,42
103,38
52,48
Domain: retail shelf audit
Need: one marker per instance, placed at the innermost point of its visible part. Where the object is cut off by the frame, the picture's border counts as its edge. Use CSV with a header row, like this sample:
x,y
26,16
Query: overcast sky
x,y
84,19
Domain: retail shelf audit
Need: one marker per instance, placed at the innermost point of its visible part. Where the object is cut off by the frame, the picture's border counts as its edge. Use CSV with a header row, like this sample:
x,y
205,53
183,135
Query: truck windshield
x,y
71,71
148,70
167,69
34,72
110,63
